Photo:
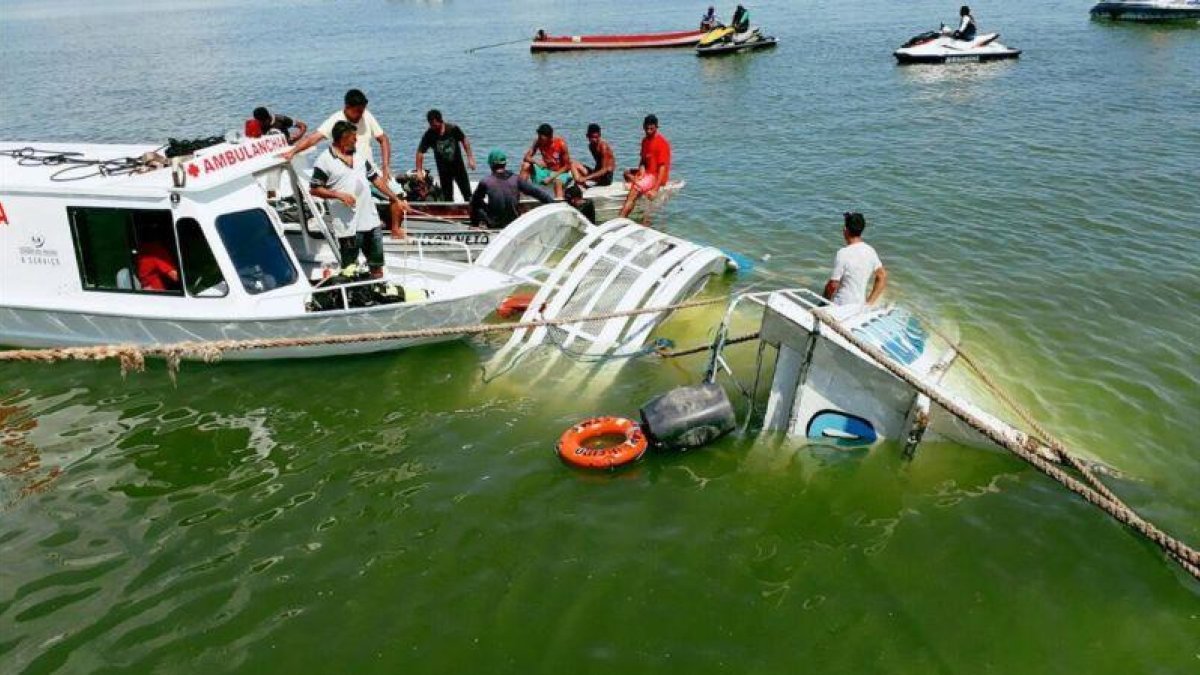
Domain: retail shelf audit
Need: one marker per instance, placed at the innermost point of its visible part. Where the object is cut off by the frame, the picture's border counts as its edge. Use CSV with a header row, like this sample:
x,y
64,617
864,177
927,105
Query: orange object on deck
x,y
514,304
573,448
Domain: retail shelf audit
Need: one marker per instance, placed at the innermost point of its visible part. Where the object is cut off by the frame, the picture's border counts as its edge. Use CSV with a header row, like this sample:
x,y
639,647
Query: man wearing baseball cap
x,y
502,190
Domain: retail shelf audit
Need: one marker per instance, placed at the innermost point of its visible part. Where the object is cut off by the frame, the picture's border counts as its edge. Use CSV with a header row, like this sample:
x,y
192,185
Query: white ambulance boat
x,y
86,232
77,221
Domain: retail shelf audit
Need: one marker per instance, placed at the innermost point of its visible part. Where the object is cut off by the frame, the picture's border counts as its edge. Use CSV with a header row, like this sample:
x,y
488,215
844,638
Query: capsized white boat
x,y
826,390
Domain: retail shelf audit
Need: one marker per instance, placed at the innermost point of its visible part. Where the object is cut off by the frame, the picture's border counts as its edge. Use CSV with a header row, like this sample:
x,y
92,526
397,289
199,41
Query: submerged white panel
x,y
615,267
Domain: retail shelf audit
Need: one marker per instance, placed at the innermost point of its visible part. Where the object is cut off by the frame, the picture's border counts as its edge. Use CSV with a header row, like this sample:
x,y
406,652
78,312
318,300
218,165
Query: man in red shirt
x,y
156,267
654,170
554,167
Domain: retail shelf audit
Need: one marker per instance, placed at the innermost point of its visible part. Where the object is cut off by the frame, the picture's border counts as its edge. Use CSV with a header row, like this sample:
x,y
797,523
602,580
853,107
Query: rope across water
x,y
133,357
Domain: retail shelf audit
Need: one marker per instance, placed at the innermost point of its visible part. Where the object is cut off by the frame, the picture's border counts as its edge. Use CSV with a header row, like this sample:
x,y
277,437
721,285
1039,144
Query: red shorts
x,y
645,183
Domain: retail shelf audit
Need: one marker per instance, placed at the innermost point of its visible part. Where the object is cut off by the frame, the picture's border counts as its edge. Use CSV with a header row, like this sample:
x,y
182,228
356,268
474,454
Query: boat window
x,y
126,250
201,275
257,253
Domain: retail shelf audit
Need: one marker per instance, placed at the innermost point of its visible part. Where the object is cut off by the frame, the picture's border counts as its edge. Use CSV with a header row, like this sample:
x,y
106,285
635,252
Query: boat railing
x,y
309,291
800,295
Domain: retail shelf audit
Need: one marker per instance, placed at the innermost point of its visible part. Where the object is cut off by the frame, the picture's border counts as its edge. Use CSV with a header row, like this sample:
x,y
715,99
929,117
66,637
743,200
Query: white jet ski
x,y
942,47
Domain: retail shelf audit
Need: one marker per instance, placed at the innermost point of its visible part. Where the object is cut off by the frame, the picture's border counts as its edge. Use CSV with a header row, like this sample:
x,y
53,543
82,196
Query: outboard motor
x,y
688,417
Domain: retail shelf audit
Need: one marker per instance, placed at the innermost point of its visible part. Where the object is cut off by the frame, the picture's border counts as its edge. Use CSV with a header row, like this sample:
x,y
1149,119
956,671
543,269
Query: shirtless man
x,y
604,162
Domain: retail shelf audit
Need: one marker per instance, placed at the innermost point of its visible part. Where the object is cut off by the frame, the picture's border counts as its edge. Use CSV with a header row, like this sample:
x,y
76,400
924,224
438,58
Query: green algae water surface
x,y
405,512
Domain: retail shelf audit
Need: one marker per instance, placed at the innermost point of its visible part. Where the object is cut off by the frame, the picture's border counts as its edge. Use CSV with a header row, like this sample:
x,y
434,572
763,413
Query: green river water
x,y
404,512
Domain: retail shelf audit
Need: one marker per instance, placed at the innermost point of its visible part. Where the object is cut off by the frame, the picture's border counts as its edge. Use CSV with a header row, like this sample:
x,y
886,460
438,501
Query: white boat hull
x,y
41,328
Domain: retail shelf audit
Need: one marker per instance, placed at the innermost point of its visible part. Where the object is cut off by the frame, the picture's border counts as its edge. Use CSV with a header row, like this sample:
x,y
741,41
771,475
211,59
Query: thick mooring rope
x,y
133,357
1186,556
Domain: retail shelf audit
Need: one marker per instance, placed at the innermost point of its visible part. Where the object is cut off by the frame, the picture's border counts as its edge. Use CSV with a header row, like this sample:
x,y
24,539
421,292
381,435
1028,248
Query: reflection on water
x,y
953,82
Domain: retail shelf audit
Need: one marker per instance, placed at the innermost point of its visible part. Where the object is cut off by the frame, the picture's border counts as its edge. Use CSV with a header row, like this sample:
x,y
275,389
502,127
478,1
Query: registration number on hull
x,y
468,238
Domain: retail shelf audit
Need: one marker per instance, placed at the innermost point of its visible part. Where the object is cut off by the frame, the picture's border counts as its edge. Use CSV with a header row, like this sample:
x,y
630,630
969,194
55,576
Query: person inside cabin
x,y
355,112
292,129
709,20
155,263
496,198
654,169
553,167
966,25
855,266
741,20
448,143
604,162
344,177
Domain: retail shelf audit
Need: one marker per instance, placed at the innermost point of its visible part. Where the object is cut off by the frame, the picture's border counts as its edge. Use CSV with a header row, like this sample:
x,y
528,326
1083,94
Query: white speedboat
x,y
77,220
941,47
1148,10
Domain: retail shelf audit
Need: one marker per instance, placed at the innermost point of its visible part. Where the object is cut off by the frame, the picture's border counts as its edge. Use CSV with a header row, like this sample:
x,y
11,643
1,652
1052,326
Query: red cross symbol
x,y
193,170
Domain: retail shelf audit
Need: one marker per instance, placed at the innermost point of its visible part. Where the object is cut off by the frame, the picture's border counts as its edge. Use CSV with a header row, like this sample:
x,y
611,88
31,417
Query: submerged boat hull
x,y
571,43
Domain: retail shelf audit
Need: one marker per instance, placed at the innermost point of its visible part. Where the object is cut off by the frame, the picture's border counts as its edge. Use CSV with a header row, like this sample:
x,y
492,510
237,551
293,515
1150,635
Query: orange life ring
x,y
573,450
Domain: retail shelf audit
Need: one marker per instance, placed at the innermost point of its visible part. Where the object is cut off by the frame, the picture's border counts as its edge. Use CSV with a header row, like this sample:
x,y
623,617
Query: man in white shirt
x,y
344,178
355,112
855,265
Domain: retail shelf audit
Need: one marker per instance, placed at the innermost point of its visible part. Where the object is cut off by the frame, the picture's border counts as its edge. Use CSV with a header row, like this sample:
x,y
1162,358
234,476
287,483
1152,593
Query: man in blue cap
x,y
502,190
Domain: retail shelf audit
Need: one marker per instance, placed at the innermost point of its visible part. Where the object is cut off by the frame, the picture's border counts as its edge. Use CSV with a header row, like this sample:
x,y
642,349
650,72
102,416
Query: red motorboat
x,y
565,43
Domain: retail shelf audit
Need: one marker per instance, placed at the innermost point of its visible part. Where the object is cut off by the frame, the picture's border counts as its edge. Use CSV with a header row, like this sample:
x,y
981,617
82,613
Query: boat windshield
x,y
256,251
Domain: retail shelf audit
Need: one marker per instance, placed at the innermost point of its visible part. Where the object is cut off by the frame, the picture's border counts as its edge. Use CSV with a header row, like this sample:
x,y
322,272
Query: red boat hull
x,y
568,43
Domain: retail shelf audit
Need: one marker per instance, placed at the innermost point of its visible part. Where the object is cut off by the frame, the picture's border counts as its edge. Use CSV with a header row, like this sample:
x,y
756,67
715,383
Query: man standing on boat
x,y
654,170
355,112
603,158
444,139
344,177
502,190
554,166
855,265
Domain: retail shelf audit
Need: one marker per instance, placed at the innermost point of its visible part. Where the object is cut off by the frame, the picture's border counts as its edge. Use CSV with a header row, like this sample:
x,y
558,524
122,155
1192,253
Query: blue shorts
x,y
540,173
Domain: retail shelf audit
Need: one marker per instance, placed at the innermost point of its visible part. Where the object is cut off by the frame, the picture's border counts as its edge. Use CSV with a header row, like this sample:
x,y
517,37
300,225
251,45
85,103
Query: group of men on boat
x,y
346,170
344,173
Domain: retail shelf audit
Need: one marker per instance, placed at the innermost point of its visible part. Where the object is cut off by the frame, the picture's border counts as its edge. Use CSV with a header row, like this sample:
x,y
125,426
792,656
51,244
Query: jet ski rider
x,y
741,20
709,20
966,27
